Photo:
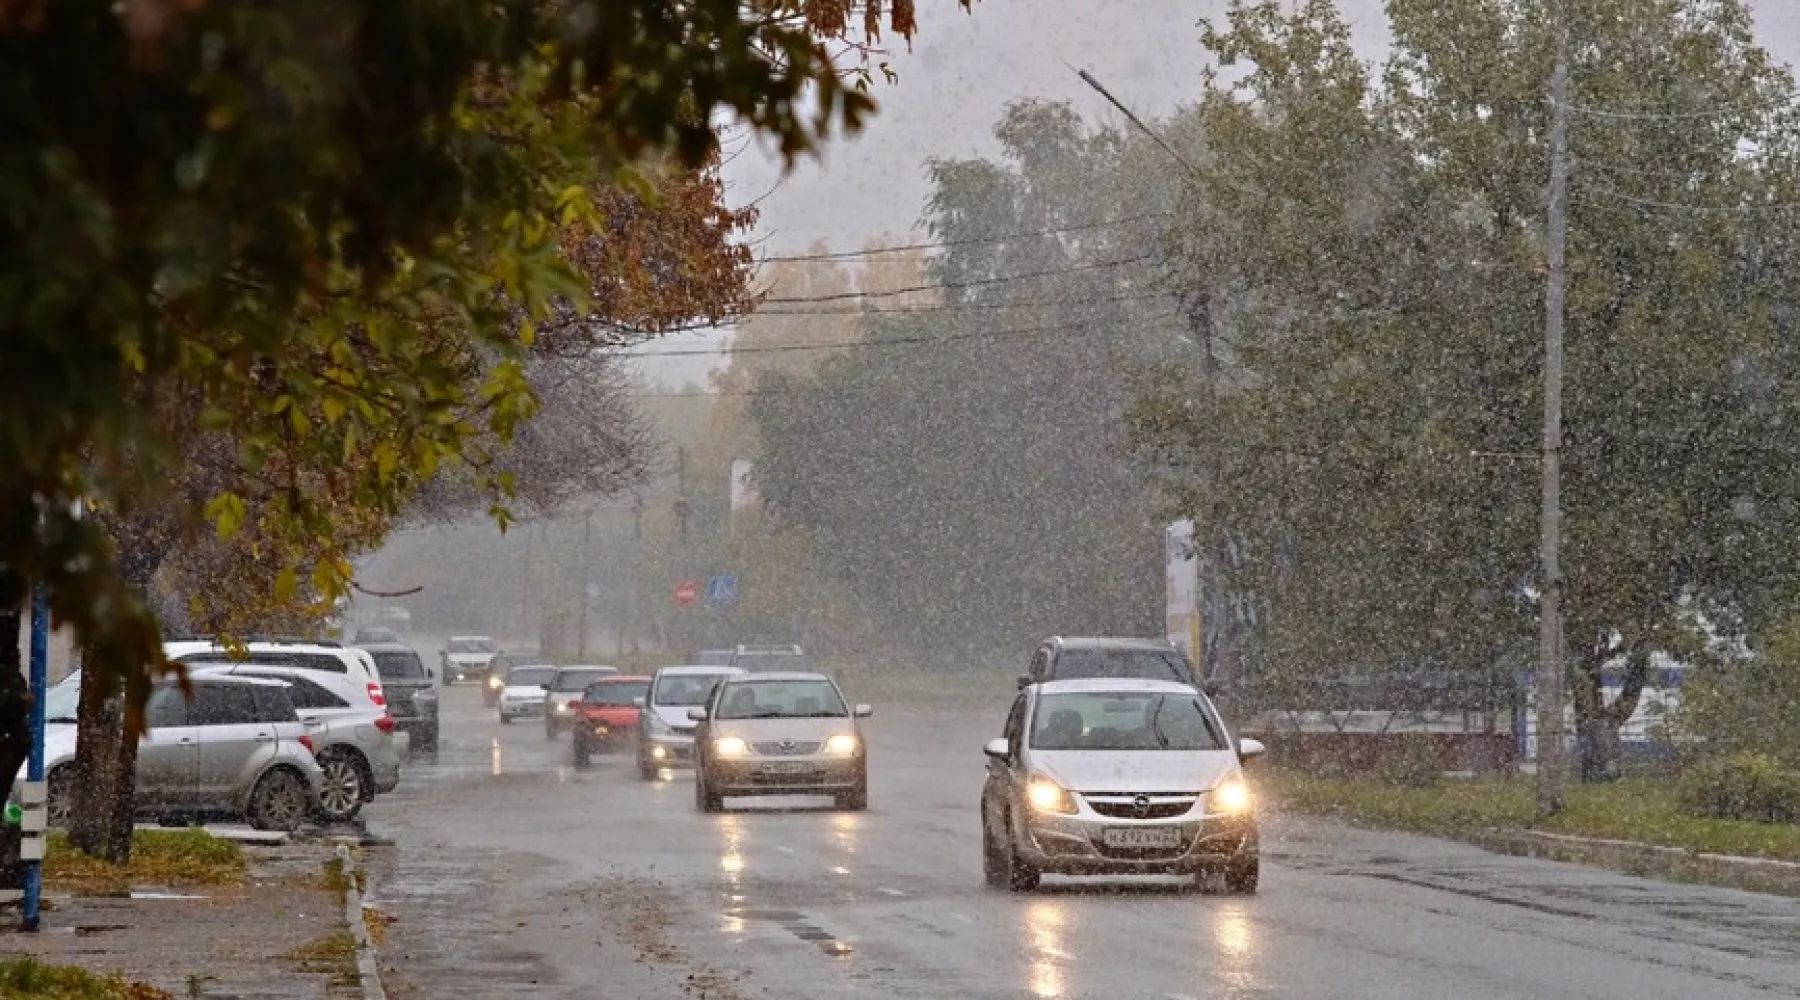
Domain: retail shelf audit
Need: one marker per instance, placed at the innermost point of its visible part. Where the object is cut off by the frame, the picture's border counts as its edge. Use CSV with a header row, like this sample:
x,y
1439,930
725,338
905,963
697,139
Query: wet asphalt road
x,y
514,874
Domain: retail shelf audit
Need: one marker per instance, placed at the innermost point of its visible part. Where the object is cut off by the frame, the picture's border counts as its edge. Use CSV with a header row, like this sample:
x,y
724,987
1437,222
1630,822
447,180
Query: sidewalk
x,y
281,934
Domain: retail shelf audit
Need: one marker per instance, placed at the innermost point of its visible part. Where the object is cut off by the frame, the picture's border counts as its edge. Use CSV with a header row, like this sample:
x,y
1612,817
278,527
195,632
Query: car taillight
x,y
306,741
385,723
375,694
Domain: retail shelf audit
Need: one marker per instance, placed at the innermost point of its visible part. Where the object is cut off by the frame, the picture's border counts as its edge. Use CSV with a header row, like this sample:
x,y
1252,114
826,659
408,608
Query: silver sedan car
x,y
1117,777
779,734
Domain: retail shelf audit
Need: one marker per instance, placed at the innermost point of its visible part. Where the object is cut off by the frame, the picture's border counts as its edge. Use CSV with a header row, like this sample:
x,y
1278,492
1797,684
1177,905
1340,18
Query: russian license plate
x,y
788,767
1142,836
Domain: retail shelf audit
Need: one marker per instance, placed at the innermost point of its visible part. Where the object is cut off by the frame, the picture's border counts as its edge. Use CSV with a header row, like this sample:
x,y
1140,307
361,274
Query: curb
x,y
367,968
1767,875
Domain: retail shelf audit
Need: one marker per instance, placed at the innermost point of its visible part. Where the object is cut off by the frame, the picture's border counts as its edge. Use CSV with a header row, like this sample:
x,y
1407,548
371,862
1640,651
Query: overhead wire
x,y
974,241
972,283
885,342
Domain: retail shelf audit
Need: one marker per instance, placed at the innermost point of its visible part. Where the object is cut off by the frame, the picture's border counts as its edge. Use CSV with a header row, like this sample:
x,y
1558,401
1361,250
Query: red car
x,y
606,717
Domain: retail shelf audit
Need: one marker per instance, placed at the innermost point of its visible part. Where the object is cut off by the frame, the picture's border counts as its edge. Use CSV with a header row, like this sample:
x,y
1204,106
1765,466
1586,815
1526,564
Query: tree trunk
x,y
1597,721
15,694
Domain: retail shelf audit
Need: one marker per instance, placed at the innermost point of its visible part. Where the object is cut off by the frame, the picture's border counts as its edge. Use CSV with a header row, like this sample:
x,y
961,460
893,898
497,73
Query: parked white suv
x,y
354,740
325,657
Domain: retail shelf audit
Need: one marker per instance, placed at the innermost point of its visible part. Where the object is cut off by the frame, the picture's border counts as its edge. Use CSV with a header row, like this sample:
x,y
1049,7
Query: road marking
x,y
783,848
964,917
1178,996
885,891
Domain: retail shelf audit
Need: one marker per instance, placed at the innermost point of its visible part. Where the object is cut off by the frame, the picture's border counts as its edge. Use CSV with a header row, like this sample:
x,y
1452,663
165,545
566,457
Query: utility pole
x,y
587,538
1549,679
637,566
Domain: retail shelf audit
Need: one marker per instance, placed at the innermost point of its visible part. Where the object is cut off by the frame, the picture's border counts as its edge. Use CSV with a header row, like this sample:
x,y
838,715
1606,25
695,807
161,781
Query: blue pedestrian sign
x,y
722,591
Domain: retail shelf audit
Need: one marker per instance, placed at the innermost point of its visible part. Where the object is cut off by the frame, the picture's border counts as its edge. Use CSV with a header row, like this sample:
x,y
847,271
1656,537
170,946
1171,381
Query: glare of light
x,y
658,753
840,870
1233,796
734,924
1043,930
494,757
732,863
1231,932
731,858
731,746
843,830
842,744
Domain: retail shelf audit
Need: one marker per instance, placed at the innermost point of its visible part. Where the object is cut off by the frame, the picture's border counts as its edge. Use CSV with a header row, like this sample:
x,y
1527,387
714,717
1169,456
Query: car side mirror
x,y
863,711
696,714
1249,749
430,674
1023,681
998,749
544,687
637,702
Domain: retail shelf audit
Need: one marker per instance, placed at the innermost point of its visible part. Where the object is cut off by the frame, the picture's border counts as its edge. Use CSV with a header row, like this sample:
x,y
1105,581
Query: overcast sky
x,y
960,74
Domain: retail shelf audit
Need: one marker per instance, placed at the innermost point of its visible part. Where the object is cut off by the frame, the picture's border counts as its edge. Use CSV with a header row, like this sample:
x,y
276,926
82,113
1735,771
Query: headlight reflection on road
x,y
1234,961
1044,939
731,857
494,756
844,827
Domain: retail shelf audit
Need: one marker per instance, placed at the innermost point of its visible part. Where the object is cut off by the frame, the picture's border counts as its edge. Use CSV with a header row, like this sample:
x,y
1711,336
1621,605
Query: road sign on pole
x,y
722,591
687,594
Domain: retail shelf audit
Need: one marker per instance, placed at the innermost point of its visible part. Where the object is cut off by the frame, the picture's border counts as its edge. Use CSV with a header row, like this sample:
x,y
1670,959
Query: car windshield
x,y
614,693
576,680
782,699
1140,664
470,646
685,690
1124,720
377,635
529,676
398,665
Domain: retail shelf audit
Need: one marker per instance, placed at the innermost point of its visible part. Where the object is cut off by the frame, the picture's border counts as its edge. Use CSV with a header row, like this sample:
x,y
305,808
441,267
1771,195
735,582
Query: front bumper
x,y
785,776
1075,845
522,709
603,733
456,673
667,750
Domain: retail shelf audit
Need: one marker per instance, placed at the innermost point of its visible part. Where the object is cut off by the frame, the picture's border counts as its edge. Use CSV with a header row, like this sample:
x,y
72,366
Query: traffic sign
x,y
687,593
722,591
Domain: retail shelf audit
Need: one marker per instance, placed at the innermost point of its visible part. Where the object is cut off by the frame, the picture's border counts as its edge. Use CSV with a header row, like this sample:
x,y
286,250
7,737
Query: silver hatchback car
x,y
237,749
1117,776
779,734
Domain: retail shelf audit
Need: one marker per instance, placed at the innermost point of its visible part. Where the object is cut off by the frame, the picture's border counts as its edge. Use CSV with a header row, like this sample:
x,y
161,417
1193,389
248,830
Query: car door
x,y
169,753
1003,778
225,716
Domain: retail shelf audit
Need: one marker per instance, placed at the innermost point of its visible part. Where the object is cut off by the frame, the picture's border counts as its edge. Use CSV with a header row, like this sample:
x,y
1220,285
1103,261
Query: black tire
x,y
505,720
428,740
704,799
1020,877
646,770
59,796
1242,876
580,750
993,863
345,786
549,731
280,801
857,799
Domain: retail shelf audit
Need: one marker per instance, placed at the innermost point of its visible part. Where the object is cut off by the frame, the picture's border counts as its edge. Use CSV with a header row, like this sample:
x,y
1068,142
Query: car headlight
x,y
731,746
496,683
564,708
1048,796
843,744
1232,796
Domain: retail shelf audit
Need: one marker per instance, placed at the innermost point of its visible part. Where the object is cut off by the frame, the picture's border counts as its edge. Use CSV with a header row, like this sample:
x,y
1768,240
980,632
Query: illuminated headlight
x,y
843,744
731,746
658,753
1232,797
1048,796
564,709
496,683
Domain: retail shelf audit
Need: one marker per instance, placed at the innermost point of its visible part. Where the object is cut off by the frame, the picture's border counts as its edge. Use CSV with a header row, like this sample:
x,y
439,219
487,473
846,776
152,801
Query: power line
x,y
955,307
1632,116
973,283
942,244
1025,331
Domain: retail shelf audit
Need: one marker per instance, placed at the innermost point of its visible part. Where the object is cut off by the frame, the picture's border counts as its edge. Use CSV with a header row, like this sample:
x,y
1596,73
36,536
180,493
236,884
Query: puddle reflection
x,y
1044,943
494,757
731,855
1234,941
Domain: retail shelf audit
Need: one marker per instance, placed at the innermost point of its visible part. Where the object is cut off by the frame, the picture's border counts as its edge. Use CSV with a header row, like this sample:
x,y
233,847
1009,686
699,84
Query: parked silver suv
x,y
237,749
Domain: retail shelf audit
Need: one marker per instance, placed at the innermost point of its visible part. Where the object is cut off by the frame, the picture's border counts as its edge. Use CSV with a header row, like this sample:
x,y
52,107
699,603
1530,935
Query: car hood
x,y
521,691
759,730
1135,770
674,716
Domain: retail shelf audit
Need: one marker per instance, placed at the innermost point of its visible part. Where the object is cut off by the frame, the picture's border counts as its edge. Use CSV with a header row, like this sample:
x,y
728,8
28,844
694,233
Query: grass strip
x,y
163,857
28,977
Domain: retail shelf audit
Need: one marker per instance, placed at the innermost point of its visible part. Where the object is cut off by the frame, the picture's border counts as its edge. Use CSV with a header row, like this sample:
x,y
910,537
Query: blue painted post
x,y
33,823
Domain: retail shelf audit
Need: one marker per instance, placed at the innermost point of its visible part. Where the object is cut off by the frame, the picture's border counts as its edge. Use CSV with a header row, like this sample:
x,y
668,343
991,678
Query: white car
x,y
467,658
666,737
522,694
564,690
356,742
1115,776
325,657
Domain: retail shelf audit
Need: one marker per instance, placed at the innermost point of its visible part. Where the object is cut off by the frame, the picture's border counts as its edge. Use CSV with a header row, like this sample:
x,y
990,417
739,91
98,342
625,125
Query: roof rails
x,y
266,640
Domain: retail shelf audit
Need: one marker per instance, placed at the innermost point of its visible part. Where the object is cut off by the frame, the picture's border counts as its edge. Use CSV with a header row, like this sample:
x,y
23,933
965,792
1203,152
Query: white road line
x,y
1178,996
964,917
885,891
783,848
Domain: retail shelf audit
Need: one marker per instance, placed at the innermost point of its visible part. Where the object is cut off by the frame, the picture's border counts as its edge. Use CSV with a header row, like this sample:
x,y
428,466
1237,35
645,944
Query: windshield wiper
x,y
1156,730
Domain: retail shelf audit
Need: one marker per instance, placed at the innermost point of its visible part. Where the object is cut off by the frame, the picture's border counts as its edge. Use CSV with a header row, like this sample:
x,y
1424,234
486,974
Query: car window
x,y
320,661
1126,720
1015,723
784,699
470,646
575,680
398,665
304,694
685,690
62,702
222,705
274,704
529,676
167,707
1140,664
614,693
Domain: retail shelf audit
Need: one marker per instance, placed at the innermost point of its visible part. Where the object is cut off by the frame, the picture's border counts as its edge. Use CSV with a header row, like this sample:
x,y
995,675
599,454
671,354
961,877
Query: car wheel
x,y
342,788
993,861
549,730
59,796
704,799
428,740
580,750
857,798
1241,876
279,802
505,720
1020,877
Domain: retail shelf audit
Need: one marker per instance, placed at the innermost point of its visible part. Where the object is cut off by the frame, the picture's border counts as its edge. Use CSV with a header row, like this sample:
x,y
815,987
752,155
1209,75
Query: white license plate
x,y
1144,836
789,767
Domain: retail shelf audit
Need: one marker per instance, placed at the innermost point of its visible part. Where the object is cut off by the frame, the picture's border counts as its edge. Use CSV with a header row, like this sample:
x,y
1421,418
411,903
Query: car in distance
x,y
466,658
238,749
763,659
784,733
1062,658
522,691
498,666
606,716
666,734
1117,776
411,689
371,634
713,658
564,690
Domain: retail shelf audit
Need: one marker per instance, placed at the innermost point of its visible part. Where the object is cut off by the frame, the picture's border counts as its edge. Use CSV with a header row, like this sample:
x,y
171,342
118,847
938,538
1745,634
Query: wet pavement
x,y
515,874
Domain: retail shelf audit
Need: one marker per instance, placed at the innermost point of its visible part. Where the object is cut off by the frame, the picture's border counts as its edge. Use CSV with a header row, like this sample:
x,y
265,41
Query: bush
x,y
1745,786
1410,761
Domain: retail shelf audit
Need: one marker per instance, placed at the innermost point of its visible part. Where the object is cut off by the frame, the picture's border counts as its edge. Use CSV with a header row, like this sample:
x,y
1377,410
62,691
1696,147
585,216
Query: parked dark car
x,y
411,692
